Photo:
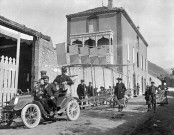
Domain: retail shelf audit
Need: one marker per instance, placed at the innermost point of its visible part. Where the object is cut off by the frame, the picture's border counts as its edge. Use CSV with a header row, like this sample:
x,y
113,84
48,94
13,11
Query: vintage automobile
x,y
29,108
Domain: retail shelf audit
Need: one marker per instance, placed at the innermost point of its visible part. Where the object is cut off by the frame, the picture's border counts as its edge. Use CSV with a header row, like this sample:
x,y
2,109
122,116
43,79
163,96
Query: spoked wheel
x,y
73,110
31,115
7,120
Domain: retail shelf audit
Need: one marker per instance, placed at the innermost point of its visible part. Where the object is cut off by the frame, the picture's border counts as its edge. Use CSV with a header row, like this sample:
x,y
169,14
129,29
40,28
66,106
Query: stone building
x,y
110,28
21,59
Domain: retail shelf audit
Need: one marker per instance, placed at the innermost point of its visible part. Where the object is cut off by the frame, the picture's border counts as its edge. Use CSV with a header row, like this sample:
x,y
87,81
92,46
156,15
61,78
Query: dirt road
x,y
99,121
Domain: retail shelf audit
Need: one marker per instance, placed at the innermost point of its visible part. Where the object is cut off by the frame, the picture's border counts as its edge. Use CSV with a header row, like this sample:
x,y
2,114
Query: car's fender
x,y
42,110
23,101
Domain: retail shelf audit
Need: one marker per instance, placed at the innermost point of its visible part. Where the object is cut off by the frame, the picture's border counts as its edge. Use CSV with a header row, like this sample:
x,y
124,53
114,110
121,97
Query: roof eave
x,y
22,28
92,13
133,26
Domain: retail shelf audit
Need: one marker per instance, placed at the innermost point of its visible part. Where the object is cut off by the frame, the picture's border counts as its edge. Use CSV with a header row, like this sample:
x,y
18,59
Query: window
x,y
142,61
128,53
137,59
133,55
92,25
145,64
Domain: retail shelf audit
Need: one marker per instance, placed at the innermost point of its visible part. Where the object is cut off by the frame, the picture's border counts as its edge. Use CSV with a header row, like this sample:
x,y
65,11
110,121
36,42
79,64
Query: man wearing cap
x,y
119,93
49,94
43,73
152,91
81,90
63,79
61,82
90,90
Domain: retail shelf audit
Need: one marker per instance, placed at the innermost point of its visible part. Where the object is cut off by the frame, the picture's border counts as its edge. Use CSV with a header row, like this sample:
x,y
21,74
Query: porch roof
x,y
28,42
22,28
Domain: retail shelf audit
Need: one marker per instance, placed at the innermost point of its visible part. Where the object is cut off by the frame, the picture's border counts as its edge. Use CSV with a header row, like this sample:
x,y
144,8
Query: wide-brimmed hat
x,y
119,78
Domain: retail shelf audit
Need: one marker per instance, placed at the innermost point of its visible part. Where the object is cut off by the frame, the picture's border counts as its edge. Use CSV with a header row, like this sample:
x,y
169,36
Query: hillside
x,y
156,70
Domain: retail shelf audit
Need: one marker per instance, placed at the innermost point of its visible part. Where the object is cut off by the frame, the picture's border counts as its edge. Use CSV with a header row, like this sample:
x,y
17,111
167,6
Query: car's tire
x,y
73,110
31,115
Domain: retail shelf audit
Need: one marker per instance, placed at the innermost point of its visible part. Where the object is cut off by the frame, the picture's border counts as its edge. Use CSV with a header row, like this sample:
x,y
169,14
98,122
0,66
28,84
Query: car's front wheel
x,y
73,110
31,115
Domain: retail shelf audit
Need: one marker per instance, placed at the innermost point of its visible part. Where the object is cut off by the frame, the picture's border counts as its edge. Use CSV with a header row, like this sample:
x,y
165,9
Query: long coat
x,y
90,91
120,90
81,91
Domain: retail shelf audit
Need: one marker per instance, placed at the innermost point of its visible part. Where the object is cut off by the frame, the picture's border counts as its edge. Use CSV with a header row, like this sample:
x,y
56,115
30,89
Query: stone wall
x,y
46,58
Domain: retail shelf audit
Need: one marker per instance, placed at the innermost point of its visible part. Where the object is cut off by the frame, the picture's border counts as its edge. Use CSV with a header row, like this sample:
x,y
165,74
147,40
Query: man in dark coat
x,y
81,90
119,93
90,90
49,95
61,82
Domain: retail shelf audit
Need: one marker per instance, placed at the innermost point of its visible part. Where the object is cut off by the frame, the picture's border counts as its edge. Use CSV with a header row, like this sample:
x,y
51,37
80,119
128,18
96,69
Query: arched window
x,y
103,41
77,42
90,43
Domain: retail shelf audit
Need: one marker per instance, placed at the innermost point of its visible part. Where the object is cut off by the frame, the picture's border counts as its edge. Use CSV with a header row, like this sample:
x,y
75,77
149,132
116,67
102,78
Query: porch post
x,y
17,61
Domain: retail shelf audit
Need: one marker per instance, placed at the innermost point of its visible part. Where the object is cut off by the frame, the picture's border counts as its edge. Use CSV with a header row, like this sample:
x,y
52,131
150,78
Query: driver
x,y
50,92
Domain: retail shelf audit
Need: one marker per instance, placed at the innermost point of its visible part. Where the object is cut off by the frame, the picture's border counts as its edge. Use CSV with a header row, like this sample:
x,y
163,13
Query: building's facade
x,y
112,28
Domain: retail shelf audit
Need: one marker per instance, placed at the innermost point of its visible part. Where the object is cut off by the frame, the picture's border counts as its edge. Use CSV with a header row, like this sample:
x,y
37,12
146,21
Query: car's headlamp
x,y
16,100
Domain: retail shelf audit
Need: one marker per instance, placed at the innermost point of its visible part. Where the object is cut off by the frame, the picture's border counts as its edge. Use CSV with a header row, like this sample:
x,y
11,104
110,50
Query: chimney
x,y
110,4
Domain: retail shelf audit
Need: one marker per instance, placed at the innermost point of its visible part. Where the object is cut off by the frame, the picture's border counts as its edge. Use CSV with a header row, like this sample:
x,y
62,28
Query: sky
x,y
155,18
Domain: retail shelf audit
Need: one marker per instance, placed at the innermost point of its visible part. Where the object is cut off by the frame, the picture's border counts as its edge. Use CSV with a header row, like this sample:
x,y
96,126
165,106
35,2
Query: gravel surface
x,y
105,120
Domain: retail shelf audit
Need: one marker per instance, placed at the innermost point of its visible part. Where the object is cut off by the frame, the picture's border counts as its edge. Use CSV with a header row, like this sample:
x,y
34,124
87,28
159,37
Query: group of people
x,y
83,90
52,93
151,94
119,91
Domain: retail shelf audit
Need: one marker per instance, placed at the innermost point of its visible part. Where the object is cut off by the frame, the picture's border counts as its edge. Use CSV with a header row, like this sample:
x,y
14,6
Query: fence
x,y
8,78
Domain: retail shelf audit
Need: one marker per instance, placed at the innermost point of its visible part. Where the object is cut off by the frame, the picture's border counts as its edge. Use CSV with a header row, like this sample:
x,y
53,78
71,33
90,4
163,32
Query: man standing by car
x,y
119,93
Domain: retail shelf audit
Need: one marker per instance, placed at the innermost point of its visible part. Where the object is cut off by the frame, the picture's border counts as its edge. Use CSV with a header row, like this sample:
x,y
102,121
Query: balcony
x,y
95,39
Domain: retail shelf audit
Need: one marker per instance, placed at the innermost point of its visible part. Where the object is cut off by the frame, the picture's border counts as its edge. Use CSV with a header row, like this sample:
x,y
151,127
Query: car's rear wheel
x,y
31,115
73,110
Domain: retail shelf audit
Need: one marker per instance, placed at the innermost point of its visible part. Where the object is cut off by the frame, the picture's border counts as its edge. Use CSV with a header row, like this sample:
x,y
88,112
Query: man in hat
x,y
81,90
43,73
90,90
119,93
49,94
61,83
152,91
62,80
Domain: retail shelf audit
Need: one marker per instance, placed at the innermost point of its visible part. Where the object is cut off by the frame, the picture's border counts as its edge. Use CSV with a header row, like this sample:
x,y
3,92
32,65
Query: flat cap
x,y
119,78
43,72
